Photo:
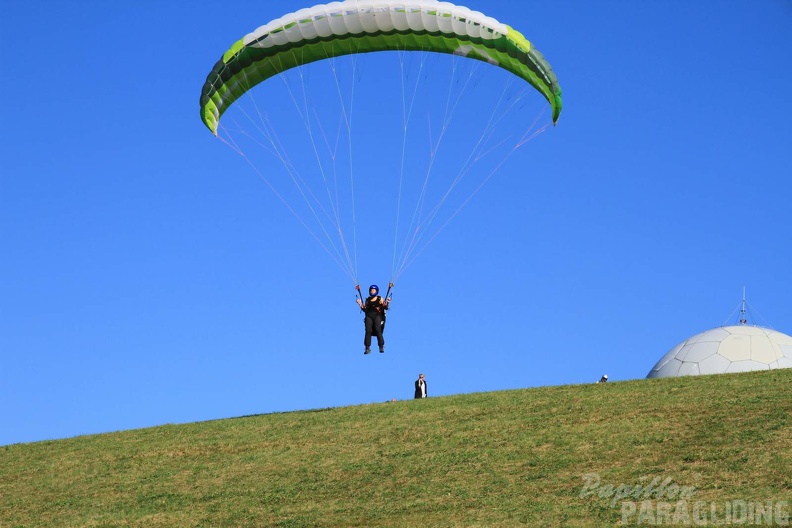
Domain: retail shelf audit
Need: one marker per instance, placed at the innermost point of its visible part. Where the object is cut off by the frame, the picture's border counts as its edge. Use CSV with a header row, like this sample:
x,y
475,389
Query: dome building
x,y
739,348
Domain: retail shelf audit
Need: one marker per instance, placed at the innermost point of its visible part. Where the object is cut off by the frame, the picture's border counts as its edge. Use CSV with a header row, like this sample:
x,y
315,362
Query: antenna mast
x,y
743,320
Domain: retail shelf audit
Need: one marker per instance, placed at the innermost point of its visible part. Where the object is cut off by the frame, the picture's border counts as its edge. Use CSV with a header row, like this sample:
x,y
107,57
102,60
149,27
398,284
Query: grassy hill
x,y
552,456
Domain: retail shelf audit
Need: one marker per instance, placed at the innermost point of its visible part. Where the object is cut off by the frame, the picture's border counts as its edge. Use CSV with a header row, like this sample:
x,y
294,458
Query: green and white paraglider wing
x,y
361,26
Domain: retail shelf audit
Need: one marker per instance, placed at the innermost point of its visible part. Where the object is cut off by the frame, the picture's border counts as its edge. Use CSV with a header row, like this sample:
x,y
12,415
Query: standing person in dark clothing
x,y
374,307
420,387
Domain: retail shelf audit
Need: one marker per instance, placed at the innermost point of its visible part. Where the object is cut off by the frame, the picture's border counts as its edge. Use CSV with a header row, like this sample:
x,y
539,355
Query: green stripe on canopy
x,y
355,26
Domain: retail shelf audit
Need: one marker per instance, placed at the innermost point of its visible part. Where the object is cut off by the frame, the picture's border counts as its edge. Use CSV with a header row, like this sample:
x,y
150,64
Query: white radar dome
x,y
724,350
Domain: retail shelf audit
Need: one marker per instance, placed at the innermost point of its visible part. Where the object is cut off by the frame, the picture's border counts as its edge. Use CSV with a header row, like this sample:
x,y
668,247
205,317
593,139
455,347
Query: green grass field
x,y
552,456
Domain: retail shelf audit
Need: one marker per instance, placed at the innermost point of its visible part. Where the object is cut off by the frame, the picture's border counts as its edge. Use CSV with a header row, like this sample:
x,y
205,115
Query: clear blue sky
x,y
149,276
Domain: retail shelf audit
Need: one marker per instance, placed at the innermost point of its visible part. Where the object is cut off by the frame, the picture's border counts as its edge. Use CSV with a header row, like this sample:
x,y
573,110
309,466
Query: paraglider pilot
x,y
374,308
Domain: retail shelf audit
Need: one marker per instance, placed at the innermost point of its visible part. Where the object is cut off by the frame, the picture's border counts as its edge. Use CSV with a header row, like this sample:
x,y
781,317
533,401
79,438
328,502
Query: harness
x,y
380,309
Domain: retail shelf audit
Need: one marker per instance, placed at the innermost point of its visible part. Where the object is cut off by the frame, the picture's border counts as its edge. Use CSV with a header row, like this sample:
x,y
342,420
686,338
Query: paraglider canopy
x,y
426,183
353,26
